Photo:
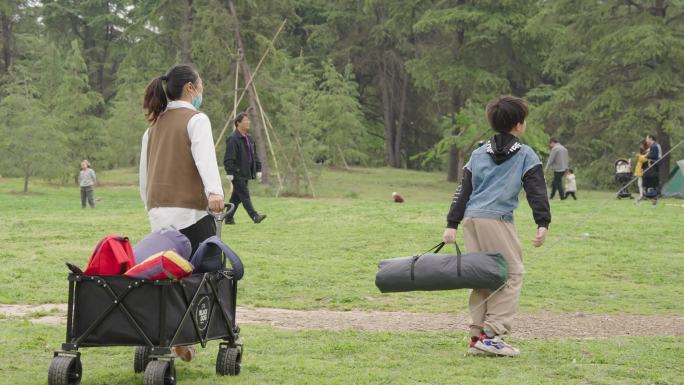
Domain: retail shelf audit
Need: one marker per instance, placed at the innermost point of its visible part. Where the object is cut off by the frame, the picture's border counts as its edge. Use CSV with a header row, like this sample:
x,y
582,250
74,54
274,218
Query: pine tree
x,y
471,51
77,108
294,121
618,67
29,143
98,26
338,118
376,37
126,122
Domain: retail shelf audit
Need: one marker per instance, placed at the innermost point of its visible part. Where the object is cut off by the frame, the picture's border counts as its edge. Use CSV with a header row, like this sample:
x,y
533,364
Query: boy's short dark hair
x,y
571,171
505,112
653,138
239,117
553,140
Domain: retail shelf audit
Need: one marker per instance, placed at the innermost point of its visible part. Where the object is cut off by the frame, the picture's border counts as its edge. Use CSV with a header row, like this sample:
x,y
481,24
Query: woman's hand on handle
x,y
215,203
449,235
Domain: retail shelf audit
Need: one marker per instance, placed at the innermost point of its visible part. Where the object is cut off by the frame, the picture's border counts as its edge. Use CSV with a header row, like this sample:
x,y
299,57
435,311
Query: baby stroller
x,y
154,316
623,174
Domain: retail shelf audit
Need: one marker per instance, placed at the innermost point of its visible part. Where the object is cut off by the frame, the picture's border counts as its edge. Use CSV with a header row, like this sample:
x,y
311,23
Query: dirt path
x,y
537,325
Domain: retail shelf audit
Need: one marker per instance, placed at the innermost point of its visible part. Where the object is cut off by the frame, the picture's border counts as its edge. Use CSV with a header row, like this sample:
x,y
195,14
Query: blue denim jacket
x,y
496,187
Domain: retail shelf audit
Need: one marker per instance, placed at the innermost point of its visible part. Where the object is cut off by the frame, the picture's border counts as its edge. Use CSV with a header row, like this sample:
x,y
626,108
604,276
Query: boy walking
x,y
485,202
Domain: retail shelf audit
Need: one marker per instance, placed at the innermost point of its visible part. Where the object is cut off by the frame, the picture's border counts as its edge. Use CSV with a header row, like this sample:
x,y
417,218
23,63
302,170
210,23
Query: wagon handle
x,y
223,214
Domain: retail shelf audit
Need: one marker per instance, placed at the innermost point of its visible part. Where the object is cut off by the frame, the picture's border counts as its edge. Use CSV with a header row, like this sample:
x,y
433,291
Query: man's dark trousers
x,y
241,195
557,184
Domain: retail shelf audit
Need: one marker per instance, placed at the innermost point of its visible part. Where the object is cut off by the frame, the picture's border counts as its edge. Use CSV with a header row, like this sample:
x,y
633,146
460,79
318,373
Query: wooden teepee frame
x,y
241,61
266,122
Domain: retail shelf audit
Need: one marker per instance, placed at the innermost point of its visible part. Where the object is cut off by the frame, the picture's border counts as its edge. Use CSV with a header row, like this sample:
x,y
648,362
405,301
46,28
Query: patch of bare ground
x,y
529,325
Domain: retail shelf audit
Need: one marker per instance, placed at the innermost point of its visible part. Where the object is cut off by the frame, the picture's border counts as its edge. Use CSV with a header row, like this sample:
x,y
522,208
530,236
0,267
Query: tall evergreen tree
x,y
471,50
377,39
604,73
618,65
338,118
98,25
9,13
294,121
77,107
30,143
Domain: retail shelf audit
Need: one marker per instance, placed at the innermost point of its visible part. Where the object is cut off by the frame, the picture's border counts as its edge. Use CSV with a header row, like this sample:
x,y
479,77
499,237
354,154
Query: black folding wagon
x,y
153,316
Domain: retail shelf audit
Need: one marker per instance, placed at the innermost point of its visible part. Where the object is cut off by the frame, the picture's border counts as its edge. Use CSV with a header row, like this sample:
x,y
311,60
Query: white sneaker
x,y
473,351
497,346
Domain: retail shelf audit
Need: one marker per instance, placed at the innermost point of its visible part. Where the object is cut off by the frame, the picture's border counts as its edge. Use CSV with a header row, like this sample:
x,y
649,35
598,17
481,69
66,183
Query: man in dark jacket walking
x,y
242,164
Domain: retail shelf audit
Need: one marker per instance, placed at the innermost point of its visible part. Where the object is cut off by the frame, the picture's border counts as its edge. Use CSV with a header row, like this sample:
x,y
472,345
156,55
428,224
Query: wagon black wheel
x,y
160,373
229,361
142,358
65,370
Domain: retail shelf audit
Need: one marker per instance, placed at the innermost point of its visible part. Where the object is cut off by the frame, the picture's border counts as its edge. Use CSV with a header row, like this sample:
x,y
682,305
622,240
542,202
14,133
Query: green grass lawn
x,y
602,255
347,357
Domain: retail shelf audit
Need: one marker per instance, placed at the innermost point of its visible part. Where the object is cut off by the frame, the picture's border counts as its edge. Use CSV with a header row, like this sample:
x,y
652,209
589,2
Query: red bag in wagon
x,y
113,255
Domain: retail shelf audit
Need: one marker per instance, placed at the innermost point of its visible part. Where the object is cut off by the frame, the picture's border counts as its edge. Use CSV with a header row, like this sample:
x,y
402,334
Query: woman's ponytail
x,y
157,97
155,101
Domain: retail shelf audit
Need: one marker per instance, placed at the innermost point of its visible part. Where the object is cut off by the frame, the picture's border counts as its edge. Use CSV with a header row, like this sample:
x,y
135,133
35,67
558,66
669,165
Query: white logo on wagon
x,y
202,312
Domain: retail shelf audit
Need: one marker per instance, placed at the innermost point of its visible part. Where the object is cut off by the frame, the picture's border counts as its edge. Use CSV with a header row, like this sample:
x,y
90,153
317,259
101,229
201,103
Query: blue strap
x,y
236,263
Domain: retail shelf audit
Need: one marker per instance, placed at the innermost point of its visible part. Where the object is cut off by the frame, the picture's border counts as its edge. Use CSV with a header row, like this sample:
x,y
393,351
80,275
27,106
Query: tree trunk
x,y
665,145
186,56
253,106
101,70
102,60
453,171
392,123
388,116
461,163
386,85
400,123
6,40
660,9
27,174
88,45
454,164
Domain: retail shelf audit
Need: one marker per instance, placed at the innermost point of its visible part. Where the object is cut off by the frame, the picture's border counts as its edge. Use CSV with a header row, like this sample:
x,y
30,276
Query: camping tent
x,y
674,187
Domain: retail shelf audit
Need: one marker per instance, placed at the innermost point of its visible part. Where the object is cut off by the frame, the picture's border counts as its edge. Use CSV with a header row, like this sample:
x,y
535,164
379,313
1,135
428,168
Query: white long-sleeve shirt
x,y
202,148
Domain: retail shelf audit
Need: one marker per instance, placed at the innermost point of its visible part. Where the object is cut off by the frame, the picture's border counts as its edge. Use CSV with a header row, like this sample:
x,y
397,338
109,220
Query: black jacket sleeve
x,y
461,197
535,188
230,157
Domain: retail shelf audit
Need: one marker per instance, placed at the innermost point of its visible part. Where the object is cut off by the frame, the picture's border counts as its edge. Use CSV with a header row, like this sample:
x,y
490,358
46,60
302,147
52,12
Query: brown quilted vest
x,y
172,177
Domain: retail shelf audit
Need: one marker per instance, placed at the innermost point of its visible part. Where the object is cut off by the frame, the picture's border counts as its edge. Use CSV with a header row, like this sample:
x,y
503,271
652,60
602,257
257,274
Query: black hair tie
x,y
164,77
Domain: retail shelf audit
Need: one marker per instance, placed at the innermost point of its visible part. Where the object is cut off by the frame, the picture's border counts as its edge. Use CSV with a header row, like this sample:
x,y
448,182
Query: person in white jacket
x,y
179,176
570,184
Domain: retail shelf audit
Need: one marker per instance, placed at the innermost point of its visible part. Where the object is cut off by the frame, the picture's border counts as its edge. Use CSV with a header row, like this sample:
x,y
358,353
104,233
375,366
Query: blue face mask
x,y
196,101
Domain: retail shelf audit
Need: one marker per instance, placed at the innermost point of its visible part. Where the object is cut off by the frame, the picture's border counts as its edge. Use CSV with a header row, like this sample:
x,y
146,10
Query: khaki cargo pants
x,y
496,314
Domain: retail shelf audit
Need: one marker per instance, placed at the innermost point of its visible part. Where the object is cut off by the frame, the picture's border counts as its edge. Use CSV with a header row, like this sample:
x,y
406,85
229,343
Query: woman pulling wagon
x,y
179,176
